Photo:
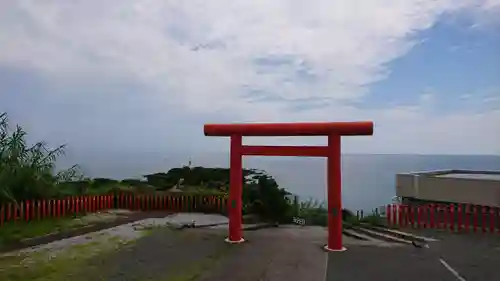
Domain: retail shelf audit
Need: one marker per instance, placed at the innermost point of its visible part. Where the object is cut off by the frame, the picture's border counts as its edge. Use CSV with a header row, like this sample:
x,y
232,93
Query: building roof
x,y
460,174
475,176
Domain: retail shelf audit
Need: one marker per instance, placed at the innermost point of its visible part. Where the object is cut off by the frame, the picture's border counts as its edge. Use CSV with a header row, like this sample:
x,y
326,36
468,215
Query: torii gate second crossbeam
x,y
333,130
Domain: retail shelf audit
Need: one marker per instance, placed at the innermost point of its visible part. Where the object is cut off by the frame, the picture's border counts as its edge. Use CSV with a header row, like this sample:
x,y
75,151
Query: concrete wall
x,y
428,187
404,185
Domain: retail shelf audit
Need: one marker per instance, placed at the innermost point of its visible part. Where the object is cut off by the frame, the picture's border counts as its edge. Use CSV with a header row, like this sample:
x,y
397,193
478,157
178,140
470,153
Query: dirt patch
x,y
67,264
96,223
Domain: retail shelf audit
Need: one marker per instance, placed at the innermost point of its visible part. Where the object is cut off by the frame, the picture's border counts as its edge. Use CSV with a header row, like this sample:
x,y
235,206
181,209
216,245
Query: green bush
x,y
313,212
132,182
373,219
98,182
29,171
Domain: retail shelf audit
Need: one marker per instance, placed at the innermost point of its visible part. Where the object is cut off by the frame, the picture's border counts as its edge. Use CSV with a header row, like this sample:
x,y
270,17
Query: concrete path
x,y
475,256
286,253
453,257
363,263
200,219
277,254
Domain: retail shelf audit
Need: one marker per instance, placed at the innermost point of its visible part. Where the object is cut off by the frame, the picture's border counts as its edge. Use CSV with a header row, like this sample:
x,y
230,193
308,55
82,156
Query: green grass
x,y
68,265
16,231
371,219
314,212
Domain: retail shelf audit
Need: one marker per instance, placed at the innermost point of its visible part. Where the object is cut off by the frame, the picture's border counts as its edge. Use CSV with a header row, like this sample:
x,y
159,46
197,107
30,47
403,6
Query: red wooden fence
x,y
452,217
32,210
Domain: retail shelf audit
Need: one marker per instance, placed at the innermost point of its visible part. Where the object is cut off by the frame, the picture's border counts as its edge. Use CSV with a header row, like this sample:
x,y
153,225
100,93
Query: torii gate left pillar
x,y
333,130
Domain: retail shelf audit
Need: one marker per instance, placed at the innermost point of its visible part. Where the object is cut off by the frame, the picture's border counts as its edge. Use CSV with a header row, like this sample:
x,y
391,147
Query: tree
x,y
28,171
264,198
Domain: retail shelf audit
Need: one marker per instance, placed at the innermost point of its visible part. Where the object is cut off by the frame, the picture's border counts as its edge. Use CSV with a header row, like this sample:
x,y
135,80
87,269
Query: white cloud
x,y
200,55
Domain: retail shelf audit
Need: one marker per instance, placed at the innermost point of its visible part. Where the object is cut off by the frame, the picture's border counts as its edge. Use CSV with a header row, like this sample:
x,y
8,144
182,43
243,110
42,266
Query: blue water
x,y
368,180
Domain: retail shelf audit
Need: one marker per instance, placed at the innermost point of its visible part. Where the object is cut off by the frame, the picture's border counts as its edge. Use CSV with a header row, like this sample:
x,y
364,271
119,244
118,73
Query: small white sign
x,y
299,221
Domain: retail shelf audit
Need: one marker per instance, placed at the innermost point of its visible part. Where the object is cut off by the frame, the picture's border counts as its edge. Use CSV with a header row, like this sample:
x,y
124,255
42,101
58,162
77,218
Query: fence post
x,y
483,219
14,212
20,209
492,220
56,207
394,214
88,204
497,216
406,215
475,217
419,216
59,208
389,215
433,216
49,208
61,205
9,211
459,217
452,217
39,208
27,211
413,216
446,217
33,209
44,209
425,218
400,215
467,218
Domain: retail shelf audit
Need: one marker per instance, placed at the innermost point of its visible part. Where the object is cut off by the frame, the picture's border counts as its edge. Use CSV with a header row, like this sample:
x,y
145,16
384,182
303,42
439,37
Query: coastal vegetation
x,y
28,171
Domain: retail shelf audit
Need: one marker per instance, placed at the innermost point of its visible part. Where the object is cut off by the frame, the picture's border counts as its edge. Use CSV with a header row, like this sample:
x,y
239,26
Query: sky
x,y
106,77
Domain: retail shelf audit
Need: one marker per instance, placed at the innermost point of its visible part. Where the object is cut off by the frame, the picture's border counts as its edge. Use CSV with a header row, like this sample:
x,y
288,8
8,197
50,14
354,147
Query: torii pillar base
x,y
343,249
234,242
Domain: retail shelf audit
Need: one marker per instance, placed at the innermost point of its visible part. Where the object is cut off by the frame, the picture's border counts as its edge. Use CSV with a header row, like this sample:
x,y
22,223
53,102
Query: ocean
x,y
368,181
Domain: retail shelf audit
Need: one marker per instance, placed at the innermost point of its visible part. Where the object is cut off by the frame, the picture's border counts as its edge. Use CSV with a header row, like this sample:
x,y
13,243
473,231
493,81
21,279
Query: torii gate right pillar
x,y
334,194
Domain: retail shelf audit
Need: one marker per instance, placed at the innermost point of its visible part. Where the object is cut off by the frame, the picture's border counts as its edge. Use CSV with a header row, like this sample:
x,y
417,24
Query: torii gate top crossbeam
x,y
290,129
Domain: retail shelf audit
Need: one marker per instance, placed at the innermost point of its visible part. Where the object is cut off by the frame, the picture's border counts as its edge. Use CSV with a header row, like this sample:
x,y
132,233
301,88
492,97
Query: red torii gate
x,y
334,131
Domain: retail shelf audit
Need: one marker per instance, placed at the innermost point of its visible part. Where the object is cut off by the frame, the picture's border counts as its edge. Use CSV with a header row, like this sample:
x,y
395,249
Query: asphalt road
x,y
362,263
474,256
455,257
